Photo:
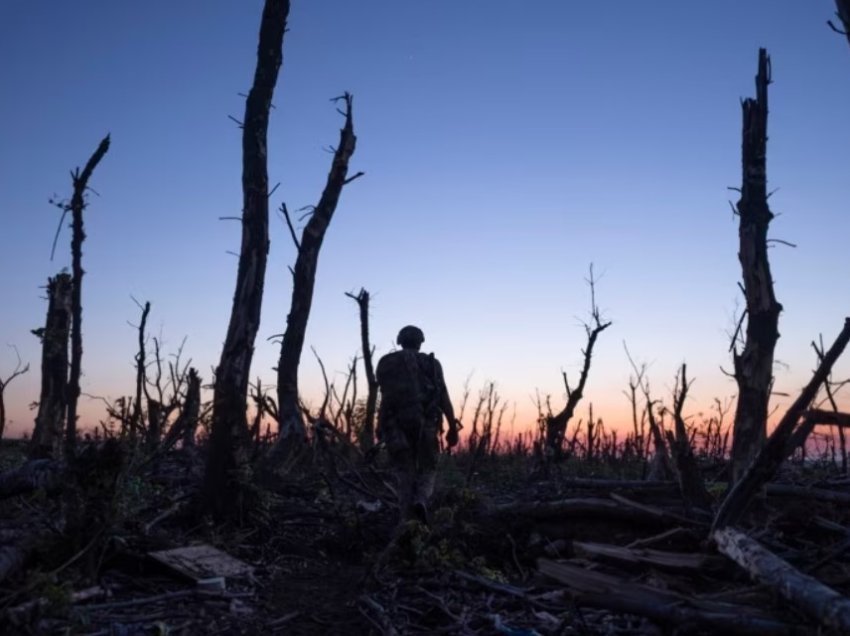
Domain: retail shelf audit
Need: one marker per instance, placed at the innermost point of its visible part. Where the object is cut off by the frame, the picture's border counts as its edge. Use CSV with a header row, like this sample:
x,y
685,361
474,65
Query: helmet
x,y
410,336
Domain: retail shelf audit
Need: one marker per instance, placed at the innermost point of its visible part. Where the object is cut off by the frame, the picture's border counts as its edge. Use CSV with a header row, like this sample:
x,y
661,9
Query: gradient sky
x,y
506,146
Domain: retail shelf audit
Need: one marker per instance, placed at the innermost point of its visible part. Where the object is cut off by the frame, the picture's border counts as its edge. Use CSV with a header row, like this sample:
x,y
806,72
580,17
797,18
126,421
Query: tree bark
x,y
77,205
821,603
367,437
754,365
772,454
292,430
227,469
52,402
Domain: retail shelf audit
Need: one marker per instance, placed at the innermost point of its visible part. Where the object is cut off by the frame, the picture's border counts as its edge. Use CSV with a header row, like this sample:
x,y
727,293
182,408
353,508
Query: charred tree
x,y
754,365
52,402
226,469
773,453
20,369
136,422
367,437
556,425
843,14
291,423
78,204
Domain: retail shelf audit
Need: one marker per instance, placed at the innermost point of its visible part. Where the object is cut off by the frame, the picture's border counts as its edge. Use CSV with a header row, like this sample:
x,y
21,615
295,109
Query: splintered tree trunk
x,y
843,12
367,438
292,430
52,402
78,204
191,409
754,365
227,469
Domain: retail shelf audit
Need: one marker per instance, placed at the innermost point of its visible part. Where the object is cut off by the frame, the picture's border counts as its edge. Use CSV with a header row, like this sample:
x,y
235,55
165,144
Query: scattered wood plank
x,y
207,566
819,601
587,508
805,492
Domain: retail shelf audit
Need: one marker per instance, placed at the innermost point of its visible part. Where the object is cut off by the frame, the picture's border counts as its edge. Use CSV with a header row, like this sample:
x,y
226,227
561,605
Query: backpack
x,y
408,382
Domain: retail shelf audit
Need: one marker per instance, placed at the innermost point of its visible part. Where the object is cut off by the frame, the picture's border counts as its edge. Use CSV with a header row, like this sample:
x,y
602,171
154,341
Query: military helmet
x,y
410,336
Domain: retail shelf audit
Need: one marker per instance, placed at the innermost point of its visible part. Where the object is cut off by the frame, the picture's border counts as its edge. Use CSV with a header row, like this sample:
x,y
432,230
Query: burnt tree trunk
x,y
842,12
292,430
78,204
754,365
556,425
367,436
772,454
227,469
191,409
136,422
52,402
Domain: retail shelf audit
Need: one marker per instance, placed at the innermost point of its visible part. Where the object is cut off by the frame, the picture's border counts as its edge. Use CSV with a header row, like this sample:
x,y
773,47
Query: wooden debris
x,y
207,566
595,589
682,561
822,603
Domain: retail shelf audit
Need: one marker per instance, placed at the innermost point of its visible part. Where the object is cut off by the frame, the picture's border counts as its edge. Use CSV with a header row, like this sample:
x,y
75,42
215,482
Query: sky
x,y
506,147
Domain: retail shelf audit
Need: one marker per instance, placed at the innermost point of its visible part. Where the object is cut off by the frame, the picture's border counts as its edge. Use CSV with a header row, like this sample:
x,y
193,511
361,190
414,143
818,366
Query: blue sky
x,y
506,146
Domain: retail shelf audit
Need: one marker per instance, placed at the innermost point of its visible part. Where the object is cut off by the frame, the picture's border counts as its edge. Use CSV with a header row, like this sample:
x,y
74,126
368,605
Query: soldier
x,y
414,399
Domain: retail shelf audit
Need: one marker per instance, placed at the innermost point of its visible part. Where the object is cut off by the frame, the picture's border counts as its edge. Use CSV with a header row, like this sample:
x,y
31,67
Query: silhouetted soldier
x,y
414,399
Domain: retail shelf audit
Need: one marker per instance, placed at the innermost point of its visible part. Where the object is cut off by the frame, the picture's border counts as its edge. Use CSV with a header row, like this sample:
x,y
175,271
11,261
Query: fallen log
x,y
596,589
819,601
586,508
662,559
37,474
818,494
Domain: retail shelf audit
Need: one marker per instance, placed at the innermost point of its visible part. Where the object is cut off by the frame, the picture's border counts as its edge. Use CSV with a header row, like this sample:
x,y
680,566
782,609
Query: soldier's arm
x,y
445,401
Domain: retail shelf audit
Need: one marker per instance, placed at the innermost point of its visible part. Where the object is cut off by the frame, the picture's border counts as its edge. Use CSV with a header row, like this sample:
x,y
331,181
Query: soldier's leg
x,y
427,452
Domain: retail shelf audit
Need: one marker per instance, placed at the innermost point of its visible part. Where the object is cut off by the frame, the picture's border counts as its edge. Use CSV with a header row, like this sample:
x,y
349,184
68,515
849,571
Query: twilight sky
x,y
506,146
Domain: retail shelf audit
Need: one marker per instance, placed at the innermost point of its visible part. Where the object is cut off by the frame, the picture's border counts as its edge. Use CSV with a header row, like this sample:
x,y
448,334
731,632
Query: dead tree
x,y
556,425
80,181
774,452
367,436
691,484
136,423
227,460
843,14
19,370
52,402
754,365
291,423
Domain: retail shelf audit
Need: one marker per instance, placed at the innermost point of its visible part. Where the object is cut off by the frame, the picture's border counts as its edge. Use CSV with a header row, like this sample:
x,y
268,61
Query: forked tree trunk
x,y
754,365
227,468
78,204
291,422
52,402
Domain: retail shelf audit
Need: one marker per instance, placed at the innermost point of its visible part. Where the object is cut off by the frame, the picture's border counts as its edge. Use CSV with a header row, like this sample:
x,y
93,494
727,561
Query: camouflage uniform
x,y
413,400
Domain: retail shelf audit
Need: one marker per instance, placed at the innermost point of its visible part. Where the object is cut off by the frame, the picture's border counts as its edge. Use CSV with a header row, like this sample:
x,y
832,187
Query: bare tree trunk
x,y
191,409
292,430
367,438
77,205
754,366
136,422
52,402
772,454
20,369
556,425
227,469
